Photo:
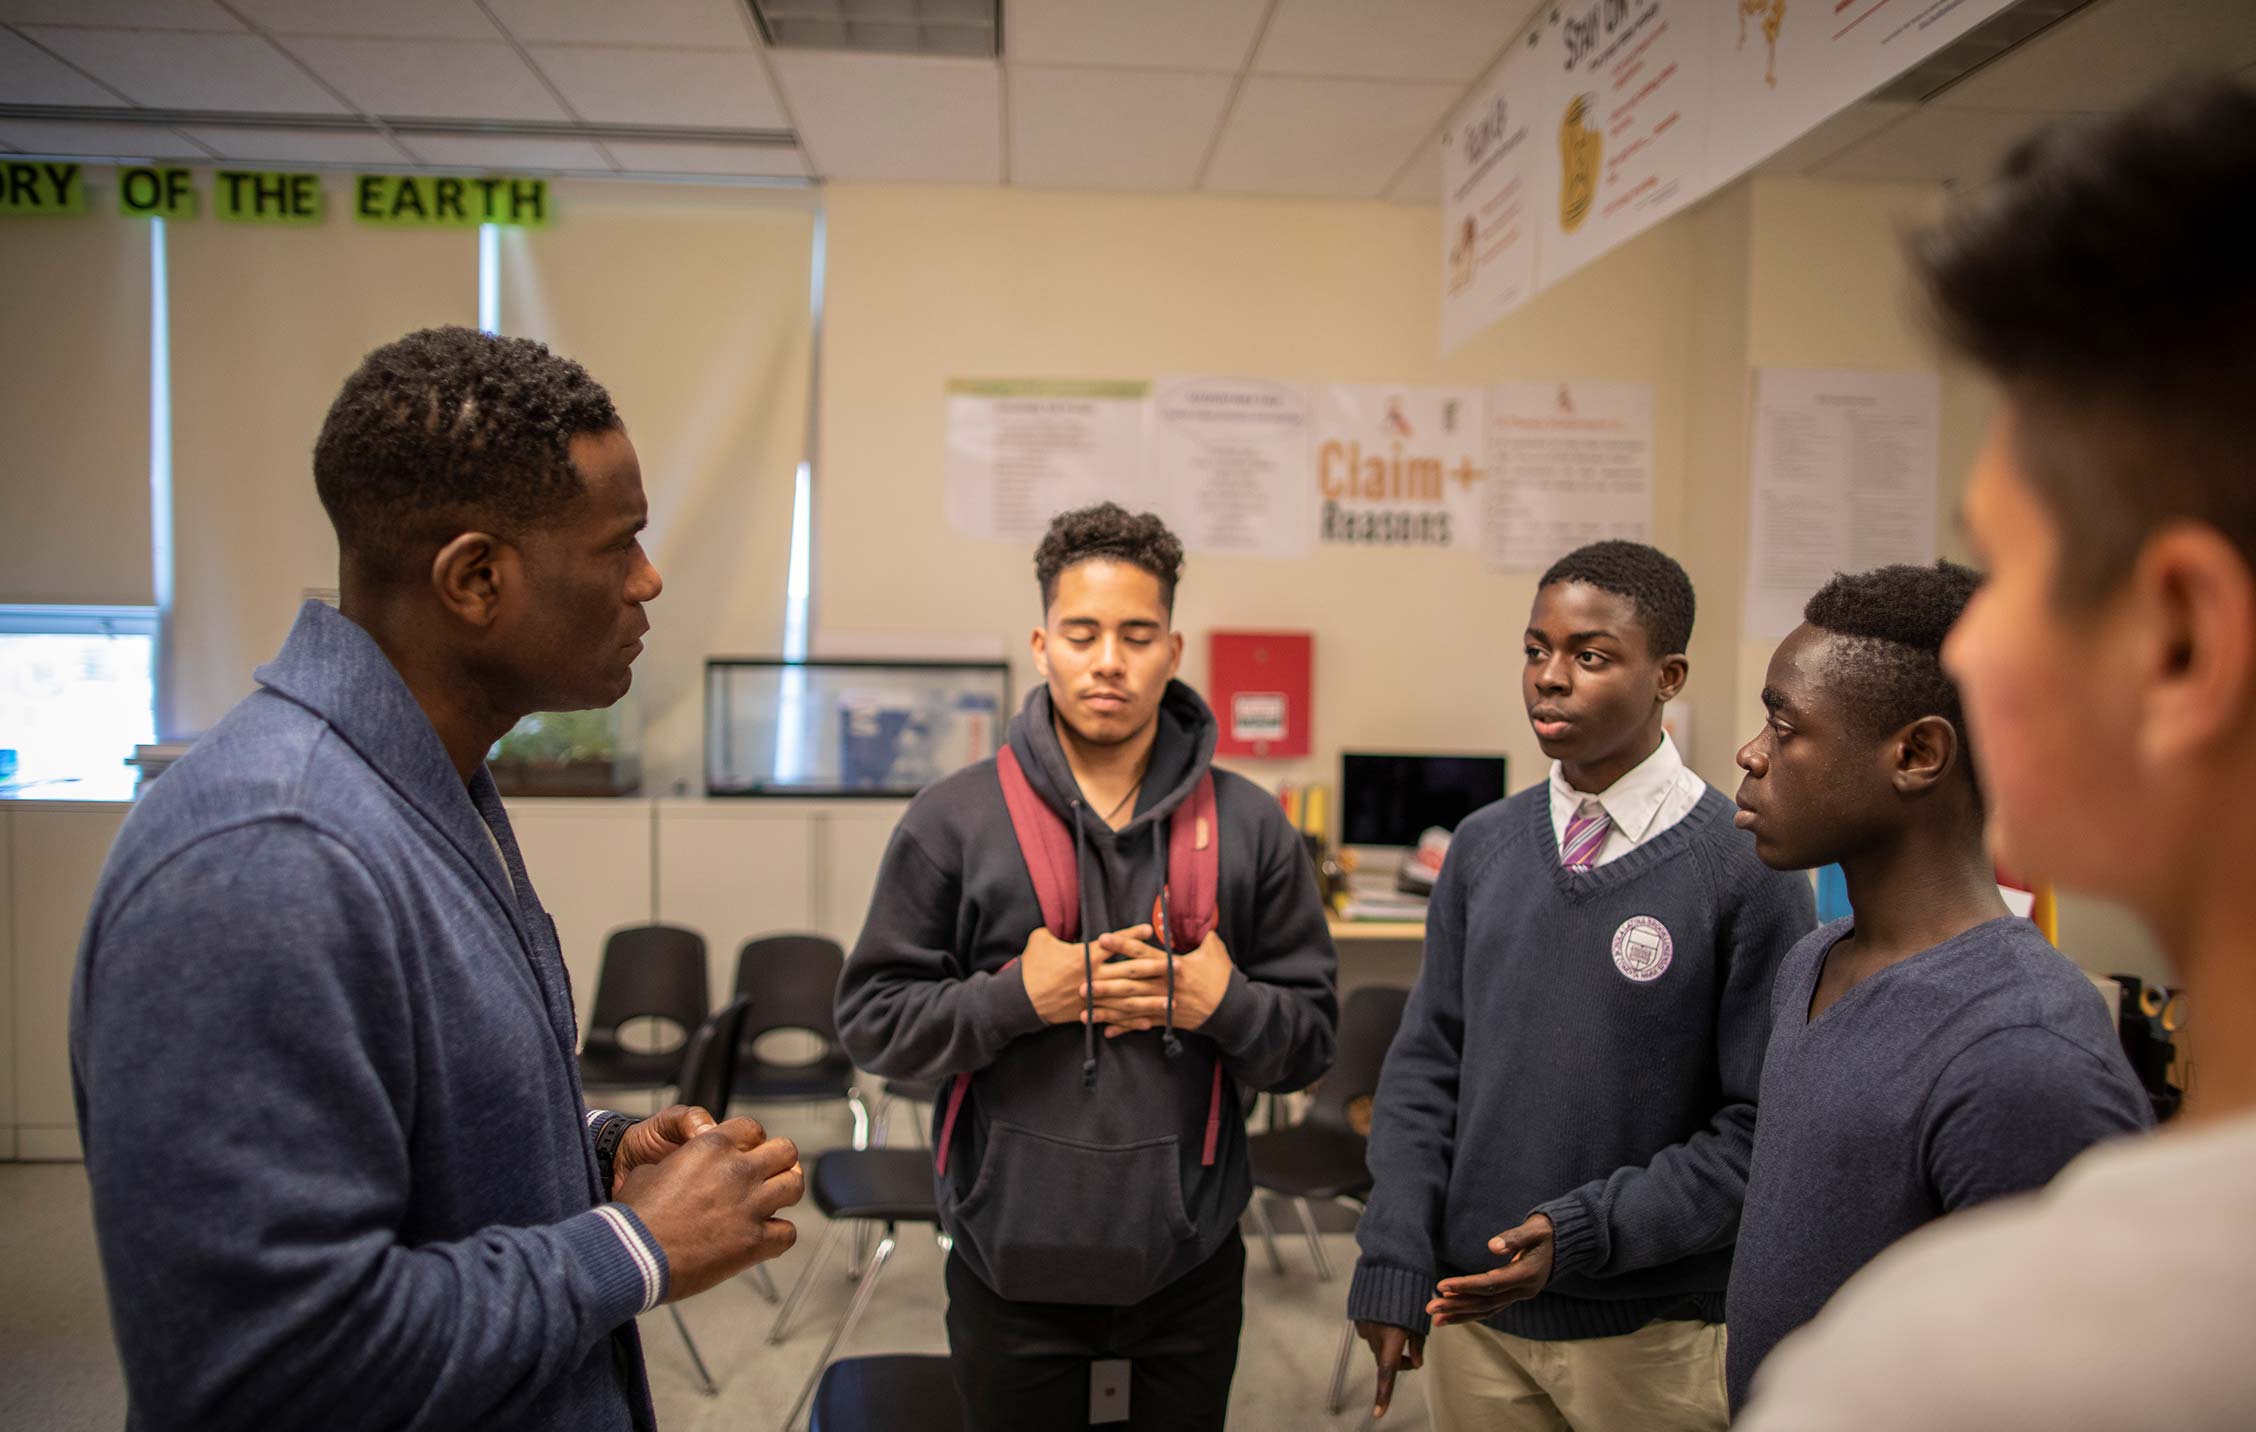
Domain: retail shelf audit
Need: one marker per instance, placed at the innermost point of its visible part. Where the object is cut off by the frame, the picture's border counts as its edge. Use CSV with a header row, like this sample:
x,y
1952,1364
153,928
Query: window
x,y
77,690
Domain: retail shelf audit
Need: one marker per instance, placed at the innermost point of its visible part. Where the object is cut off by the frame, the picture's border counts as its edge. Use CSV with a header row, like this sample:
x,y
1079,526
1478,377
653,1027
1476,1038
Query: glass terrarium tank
x,y
571,753
847,728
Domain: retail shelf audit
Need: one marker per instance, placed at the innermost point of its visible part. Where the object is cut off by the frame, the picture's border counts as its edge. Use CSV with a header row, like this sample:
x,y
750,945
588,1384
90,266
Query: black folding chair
x,y
1323,1156
903,1392
793,980
708,1069
649,972
884,1186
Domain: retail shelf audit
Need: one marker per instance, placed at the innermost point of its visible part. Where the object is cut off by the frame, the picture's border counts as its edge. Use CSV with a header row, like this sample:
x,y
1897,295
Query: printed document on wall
x,y
1488,167
1845,465
1568,464
1020,451
1230,456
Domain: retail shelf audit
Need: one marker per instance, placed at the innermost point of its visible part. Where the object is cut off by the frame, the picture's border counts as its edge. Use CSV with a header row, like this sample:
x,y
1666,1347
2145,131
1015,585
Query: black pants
x,y
1026,1365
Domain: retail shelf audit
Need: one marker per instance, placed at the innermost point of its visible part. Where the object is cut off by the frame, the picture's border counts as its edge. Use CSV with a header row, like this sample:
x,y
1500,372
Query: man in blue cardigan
x,y
321,1034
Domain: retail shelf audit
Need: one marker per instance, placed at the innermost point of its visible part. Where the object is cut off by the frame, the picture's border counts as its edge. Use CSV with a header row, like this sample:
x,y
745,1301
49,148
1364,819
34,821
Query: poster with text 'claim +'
x,y
1398,467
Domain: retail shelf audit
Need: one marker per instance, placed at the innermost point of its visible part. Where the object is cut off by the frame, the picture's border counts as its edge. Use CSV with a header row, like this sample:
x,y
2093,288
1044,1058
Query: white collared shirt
x,y
1655,794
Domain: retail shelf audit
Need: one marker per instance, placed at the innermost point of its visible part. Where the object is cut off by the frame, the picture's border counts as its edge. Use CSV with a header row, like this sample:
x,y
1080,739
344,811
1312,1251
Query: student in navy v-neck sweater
x,y
1933,1052
1559,1141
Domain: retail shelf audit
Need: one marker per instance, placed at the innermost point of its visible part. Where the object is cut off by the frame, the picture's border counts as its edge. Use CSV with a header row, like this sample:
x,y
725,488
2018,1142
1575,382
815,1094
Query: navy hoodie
x,y
1067,1183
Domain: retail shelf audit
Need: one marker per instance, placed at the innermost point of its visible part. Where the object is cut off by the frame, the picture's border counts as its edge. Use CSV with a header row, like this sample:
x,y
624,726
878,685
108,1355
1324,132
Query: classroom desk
x,y
1376,929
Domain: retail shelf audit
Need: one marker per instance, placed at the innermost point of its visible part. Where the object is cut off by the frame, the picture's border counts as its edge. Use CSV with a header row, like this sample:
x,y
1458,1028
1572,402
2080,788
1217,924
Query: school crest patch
x,y
1643,948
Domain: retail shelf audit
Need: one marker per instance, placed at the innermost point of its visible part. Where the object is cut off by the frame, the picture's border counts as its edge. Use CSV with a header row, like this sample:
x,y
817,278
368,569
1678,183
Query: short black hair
x,y
2105,280
448,429
1108,532
1888,626
1652,580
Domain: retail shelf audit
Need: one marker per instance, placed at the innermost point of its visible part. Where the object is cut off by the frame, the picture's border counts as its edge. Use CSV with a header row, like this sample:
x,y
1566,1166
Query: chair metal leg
x,y
845,1325
1339,1369
1315,1243
1268,1234
858,1253
880,1118
806,1277
764,1283
861,1114
689,1342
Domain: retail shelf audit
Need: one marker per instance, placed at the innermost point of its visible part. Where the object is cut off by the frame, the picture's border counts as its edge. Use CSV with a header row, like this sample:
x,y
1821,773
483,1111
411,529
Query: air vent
x,y
1976,48
896,27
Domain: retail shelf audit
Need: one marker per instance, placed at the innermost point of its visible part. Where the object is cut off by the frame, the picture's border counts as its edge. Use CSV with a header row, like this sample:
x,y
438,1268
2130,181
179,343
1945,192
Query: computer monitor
x,y
1391,799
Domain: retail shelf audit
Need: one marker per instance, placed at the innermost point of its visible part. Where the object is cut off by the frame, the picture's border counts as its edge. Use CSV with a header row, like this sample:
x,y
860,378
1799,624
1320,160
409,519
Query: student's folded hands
x,y
1130,992
1526,1251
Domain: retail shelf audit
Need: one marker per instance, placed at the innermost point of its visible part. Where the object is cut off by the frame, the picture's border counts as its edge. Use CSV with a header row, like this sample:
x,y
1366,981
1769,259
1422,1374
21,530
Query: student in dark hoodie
x,y
1092,1154
1577,1066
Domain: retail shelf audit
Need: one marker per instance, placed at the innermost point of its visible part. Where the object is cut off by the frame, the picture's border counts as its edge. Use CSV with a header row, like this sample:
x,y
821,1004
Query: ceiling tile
x,y
180,71
296,146
108,141
1858,122
498,152
755,160
1421,182
132,14
1111,129
708,24
29,75
2108,54
468,80
1936,145
1399,40
1160,34
635,86
397,19
1331,138
896,117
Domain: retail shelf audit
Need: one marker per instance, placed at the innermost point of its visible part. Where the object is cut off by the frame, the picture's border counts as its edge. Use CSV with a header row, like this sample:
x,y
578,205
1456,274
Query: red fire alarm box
x,y
1257,683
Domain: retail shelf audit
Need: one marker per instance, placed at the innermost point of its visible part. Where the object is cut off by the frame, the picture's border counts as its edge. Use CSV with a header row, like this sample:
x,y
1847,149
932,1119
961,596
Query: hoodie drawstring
x,y
1169,1041
1088,961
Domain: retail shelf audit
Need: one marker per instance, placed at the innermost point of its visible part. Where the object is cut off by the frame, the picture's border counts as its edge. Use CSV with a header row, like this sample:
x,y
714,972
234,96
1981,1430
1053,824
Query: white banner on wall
x,y
1488,166
1231,455
1020,451
1635,108
1844,480
1398,467
1568,464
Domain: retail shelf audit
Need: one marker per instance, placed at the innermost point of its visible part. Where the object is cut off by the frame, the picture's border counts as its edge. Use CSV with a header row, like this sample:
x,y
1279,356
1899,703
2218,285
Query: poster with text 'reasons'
x,y
1398,467
1231,457
1568,464
1621,140
1488,177
1021,450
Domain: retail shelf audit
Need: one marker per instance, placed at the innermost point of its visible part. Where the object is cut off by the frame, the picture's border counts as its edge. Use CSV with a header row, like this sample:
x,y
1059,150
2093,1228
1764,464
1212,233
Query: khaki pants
x,y
1665,1377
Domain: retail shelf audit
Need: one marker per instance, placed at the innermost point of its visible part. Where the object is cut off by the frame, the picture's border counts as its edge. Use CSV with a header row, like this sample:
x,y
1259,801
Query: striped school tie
x,y
1586,836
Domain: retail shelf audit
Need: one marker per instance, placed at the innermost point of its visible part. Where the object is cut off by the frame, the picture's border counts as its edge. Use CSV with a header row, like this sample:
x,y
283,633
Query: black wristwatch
x,y
607,1142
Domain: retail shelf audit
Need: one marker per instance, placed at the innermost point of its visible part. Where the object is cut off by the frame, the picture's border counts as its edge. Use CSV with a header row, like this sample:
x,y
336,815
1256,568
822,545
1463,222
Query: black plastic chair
x,y
793,980
850,1186
648,972
902,1392
708,1069
1323,1156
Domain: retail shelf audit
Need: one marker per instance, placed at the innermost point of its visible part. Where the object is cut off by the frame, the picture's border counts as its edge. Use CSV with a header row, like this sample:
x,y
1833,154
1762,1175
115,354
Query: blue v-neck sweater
x,y
1587,1045
322,1044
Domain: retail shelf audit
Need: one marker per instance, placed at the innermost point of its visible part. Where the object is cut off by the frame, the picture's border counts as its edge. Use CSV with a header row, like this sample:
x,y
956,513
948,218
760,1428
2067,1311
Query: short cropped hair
x,y
1888,626
450,429
2105,279
1652,580
1108,532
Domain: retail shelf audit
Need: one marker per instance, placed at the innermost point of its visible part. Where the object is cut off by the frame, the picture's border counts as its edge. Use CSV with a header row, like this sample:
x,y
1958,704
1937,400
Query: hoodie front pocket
x,y
1059,1221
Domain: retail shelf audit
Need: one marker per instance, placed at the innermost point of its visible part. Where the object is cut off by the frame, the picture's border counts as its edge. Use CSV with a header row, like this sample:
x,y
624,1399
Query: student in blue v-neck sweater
x,y
1560,1138
1931,1052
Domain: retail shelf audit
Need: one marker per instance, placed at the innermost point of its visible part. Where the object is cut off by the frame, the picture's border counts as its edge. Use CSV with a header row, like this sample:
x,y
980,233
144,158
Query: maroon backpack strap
x,y
1047,847
1194,865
